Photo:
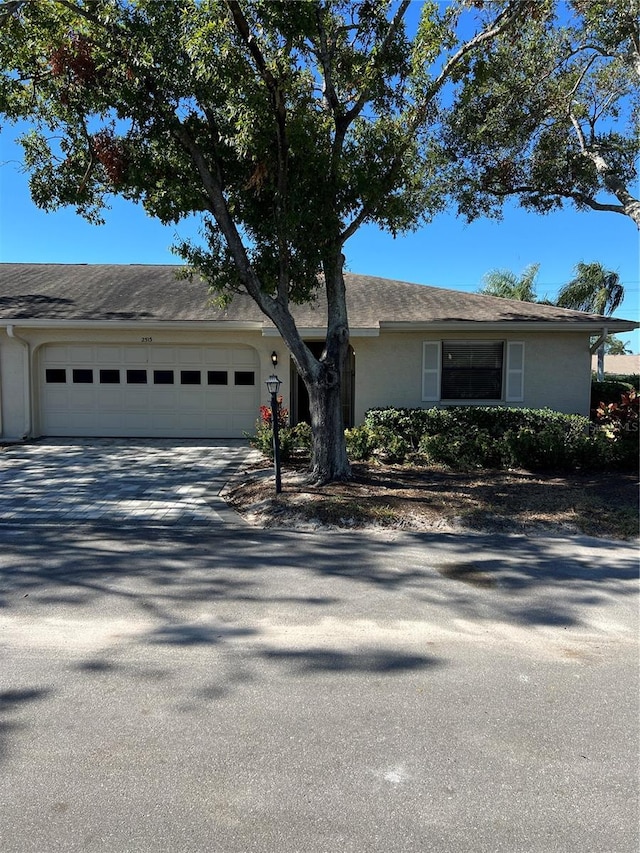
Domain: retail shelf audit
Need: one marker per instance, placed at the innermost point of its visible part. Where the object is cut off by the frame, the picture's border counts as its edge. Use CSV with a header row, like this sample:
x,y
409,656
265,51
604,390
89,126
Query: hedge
x,y
466,437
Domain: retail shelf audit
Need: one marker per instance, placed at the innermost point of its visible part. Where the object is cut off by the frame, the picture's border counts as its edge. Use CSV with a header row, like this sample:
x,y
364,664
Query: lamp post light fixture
x,y
273,386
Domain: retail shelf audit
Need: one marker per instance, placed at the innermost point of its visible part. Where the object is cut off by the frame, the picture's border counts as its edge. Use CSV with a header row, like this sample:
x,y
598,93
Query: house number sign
x,y
146,340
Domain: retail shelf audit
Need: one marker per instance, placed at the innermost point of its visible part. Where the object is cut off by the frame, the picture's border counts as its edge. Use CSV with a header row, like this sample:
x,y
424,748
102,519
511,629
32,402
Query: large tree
x,y
552,116
286,126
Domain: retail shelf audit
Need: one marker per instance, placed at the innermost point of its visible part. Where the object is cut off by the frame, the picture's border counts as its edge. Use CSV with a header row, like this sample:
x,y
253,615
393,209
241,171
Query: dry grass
x,y
405,497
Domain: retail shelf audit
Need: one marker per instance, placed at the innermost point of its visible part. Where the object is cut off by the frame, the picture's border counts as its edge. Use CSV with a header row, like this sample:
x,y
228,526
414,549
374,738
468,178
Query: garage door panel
x,y
108,355
188,355
136,355
56,355
56,398
81,398
135,399
220,401
163,399
241,423
217,357
148,390
80,355
111,401
162,355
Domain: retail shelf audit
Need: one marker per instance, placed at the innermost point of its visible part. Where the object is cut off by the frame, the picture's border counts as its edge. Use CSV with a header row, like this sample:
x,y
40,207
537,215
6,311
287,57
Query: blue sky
x,y
447,253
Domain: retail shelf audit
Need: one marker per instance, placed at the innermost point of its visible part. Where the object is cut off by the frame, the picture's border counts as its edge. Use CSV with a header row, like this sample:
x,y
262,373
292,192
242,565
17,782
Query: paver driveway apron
x,y
143,481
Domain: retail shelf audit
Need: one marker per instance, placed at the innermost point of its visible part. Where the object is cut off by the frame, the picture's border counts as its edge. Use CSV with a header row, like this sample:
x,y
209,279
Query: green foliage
x,y
632,379
552,115
294,441
607,391
620,423
507,285
616,346
360,442
467,437
593,289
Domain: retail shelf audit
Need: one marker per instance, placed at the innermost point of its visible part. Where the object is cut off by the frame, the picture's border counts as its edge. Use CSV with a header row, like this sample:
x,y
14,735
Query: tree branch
x,y
357,108
328,89
280,114
501,23
222,216
575,195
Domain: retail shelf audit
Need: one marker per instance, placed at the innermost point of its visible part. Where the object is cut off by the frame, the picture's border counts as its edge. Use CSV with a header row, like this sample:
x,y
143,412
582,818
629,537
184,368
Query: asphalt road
x,y
241,690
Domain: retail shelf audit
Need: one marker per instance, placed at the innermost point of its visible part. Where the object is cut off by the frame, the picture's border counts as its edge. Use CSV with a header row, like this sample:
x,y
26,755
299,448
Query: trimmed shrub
x,y
360,443
293,440
466,437
627,378
608,391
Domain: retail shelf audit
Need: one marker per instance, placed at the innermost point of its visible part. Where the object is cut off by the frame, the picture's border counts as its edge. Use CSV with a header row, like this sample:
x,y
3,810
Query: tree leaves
x,y
552,115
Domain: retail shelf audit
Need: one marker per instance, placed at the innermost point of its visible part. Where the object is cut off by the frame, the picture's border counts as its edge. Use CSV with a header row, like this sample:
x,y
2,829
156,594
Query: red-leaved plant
x,y
620,420
283,415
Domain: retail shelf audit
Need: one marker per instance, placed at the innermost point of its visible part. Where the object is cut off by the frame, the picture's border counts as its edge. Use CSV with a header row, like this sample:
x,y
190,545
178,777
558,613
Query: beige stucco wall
x,y
13,388
389,369
388,366
14,414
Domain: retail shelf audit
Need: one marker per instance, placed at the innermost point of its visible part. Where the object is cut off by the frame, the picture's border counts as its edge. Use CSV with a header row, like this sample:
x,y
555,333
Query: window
x,y
82,376
244,377
473,371
163,377
190,377
109,376
55,374
217,377
136,377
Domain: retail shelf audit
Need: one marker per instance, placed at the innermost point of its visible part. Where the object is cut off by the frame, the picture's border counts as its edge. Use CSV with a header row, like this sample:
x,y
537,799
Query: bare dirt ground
x,y
413,498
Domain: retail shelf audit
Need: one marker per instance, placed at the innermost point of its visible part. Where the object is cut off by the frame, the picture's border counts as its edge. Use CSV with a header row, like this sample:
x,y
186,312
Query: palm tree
x,y
596,290
593,289
616,346
508,285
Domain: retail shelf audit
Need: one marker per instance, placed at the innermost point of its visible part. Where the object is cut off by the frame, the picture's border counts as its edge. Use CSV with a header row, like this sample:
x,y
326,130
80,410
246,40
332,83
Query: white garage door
x,y
148,390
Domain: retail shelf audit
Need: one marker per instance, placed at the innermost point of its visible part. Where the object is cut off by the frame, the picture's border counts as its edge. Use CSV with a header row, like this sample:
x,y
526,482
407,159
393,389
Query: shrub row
x,y
466,437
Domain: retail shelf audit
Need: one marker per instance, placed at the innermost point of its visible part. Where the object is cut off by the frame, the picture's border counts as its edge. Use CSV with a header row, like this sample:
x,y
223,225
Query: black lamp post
x,y
273,386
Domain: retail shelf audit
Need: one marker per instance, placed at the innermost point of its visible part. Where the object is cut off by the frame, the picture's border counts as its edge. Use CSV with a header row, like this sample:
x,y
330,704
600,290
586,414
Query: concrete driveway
x,y
118,481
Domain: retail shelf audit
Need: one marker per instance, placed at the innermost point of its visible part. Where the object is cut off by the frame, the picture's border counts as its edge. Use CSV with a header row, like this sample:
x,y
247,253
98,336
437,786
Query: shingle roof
x,y
152,293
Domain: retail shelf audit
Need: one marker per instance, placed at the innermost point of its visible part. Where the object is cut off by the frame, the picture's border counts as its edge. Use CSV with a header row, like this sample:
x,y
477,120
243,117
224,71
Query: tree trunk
x,y
322,377
329,460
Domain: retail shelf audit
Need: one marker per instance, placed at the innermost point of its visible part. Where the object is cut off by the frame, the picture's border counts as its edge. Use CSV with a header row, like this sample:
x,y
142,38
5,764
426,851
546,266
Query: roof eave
x,y
592,326
205,325
321,332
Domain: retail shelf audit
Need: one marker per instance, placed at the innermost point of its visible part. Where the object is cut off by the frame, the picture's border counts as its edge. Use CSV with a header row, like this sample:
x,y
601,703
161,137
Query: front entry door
x,y
300,397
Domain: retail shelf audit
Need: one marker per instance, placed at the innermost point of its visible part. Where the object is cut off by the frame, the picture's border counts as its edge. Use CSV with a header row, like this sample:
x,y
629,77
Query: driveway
x,y
118,481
